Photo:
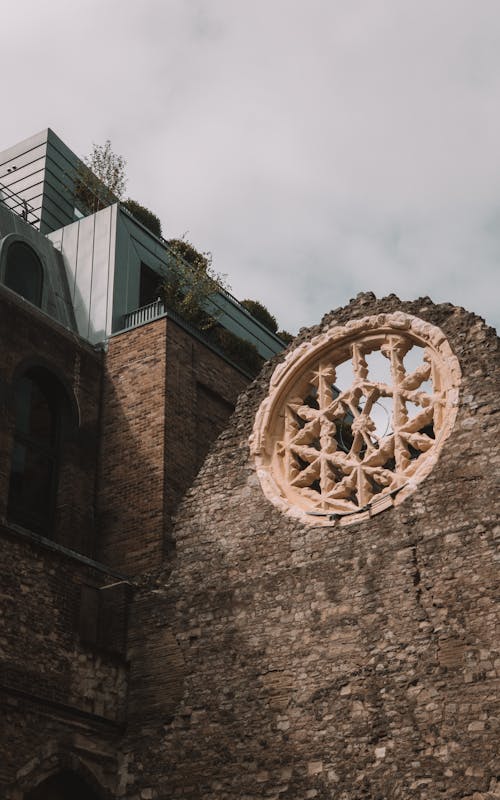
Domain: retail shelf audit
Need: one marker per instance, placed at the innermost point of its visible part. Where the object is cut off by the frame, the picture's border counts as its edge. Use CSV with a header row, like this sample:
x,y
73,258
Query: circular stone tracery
x,y
355,418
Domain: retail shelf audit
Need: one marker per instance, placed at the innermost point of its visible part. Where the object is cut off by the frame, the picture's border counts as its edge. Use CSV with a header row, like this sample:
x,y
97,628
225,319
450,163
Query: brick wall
x,y
28,336
202,389
158,378
62,698
131,481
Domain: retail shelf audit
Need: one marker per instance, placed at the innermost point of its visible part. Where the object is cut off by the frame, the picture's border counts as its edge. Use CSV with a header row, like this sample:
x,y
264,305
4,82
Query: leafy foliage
x,y
261,313
190,283
285,336
90,194
242,352
185,252
100,178
144,215
108,167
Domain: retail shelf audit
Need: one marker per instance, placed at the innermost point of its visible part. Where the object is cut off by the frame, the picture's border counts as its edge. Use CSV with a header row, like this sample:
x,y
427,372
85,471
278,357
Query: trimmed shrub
x,y
144,215
260,312
285,336
242,352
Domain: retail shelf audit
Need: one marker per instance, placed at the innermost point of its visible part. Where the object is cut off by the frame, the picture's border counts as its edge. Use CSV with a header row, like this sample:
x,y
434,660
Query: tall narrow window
x,y
24,272
149,287
33,478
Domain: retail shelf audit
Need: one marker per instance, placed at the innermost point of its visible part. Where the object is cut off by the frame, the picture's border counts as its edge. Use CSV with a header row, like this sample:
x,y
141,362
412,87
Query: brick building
x,y
314,613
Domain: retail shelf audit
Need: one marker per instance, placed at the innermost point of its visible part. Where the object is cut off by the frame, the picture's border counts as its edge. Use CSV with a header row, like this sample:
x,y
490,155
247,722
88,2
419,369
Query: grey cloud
x,y
317,149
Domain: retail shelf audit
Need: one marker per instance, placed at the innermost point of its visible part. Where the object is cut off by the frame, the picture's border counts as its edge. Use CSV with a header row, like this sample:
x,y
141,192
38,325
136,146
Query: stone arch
x,y
22,268
52,772
39,363
62,785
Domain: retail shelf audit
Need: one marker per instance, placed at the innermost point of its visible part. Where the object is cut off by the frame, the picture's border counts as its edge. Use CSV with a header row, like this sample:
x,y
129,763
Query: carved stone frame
x,y
393,334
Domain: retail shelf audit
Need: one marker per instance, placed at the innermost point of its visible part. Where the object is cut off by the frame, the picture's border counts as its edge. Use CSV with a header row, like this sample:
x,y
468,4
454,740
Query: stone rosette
x,y
319,450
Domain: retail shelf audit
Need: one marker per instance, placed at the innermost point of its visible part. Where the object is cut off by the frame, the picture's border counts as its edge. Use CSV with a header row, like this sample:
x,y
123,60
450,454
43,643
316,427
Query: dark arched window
x,y
63,786
40,411
24,272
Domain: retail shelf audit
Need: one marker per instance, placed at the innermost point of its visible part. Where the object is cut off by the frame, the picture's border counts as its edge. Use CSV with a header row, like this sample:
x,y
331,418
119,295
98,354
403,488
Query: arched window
x,y
66,785
24,272
40,411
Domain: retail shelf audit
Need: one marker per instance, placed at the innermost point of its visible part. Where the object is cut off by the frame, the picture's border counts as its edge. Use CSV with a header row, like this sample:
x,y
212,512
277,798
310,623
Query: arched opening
x,y
24,272
41,414
66,785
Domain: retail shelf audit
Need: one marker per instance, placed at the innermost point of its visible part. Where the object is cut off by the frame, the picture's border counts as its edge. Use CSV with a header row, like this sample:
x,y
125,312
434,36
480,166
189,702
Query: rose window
x,y
356,418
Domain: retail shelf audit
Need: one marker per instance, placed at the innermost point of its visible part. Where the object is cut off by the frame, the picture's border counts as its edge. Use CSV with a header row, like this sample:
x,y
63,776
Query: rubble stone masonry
x,y
339,663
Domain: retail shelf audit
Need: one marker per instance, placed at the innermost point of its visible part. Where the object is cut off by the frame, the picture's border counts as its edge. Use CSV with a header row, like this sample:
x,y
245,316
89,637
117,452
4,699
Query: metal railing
x,y
144,314
158,309
18,204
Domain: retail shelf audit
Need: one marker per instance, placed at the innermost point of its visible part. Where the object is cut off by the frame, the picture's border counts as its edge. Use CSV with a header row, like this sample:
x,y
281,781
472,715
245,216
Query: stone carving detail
x,y
331,447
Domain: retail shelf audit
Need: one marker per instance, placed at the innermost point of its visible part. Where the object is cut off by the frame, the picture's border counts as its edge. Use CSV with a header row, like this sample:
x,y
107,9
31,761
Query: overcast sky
x,y
317,148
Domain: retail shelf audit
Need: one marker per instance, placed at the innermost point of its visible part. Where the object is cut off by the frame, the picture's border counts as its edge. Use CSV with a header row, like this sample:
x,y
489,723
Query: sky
x,y
317,148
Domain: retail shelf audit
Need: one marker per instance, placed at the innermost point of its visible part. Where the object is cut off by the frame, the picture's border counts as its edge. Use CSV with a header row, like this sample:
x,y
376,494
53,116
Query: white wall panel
x,y
112,267
69,248
100,275
84,274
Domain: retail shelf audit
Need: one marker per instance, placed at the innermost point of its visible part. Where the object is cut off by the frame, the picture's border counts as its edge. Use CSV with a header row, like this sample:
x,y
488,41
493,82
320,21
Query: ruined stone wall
x,y
61,698
355,663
